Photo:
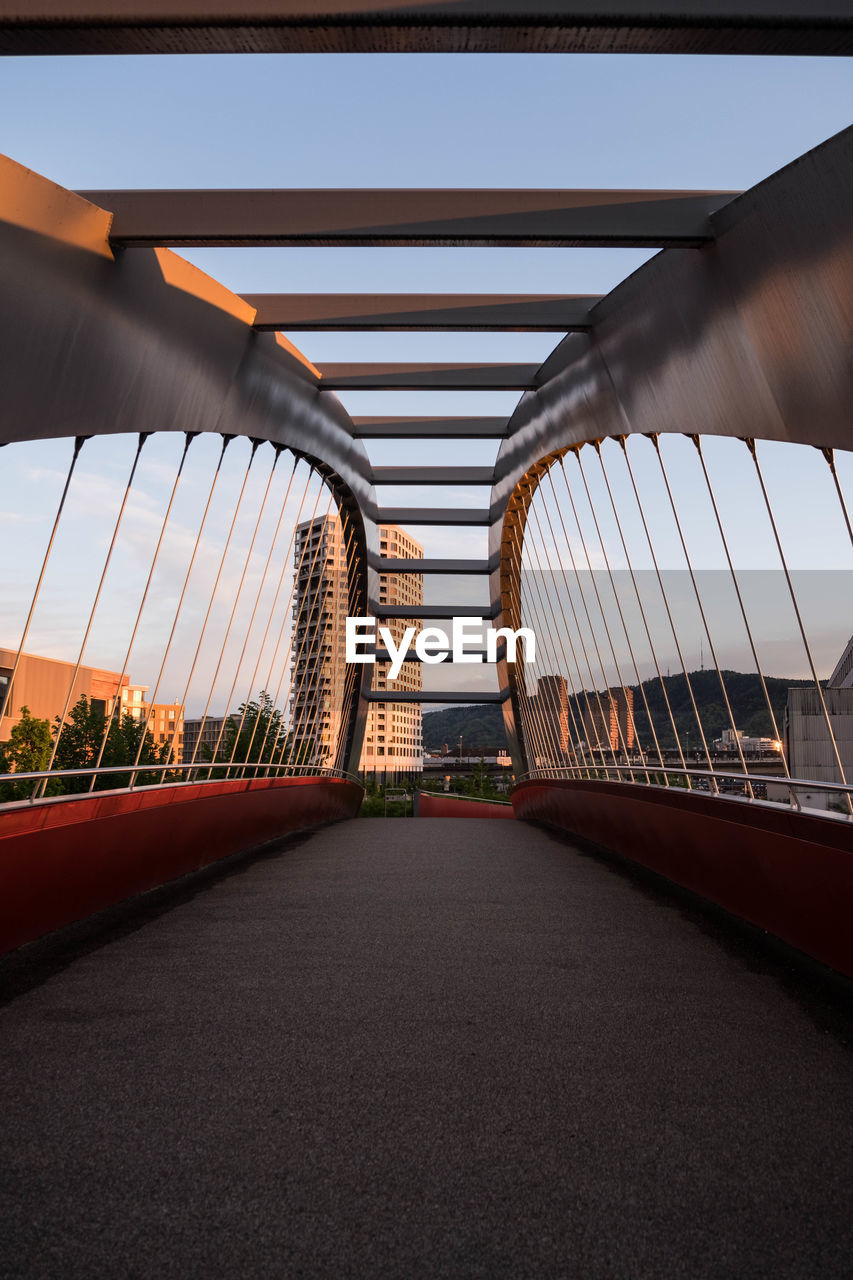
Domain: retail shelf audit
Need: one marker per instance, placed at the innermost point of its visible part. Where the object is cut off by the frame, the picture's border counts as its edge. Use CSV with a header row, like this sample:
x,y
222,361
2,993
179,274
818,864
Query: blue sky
x,y
409,120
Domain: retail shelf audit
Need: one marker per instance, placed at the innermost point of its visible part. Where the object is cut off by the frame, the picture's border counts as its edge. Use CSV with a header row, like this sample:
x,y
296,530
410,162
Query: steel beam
x,y
433,475
639,219
450,516
398,312
382,655
428,377
432,695
395,428
451,567
426,26
434,611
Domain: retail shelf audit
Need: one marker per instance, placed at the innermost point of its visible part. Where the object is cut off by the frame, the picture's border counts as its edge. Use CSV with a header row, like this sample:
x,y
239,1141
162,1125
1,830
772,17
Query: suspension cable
x,y
697,441
605,720
190,436
143,436
646,627
237,595
79,441
656,444
613,708
226,440
664,597
606,558
751,446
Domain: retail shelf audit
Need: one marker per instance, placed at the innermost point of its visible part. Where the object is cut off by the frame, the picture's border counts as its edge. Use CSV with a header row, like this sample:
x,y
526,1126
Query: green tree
x,y
256,735
80,743
27,751
481,782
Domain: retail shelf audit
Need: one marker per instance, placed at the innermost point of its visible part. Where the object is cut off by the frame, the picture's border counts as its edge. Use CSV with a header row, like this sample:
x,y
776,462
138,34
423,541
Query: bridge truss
x,y
735,337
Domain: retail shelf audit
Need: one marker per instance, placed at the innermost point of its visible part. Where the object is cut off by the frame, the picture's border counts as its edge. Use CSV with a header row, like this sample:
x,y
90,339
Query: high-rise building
x,y
393,737
549,719
393,741
318,671
608,720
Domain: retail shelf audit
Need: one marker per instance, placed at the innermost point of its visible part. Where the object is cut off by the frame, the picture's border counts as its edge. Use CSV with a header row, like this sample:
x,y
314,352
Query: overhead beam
x,y
433,695
433,475
450,516
385,564
399,428
644,219
427,377
436,612
425,26
401,312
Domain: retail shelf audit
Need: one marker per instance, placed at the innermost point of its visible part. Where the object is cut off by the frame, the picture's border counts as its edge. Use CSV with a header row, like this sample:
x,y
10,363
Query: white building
x,y
811,754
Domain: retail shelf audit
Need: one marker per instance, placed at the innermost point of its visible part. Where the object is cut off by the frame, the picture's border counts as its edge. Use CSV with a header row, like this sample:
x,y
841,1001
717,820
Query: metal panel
x,y
464,567
447,312
426,26
409,216
430,611
429,428
432,695
450,516
428,377
433,475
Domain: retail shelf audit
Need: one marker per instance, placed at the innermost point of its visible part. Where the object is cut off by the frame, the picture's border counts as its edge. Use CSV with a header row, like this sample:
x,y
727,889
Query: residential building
x,y
42,684
320,602
811,749
208,731
165,721
393,740
608,720
549,720
393,737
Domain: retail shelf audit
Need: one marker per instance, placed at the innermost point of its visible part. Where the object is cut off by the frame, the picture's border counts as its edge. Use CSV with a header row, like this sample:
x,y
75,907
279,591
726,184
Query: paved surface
x,y
422,1049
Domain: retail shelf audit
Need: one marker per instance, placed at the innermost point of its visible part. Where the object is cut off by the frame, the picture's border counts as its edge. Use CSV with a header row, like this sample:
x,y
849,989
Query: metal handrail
x,y
458,796
580,773
268,770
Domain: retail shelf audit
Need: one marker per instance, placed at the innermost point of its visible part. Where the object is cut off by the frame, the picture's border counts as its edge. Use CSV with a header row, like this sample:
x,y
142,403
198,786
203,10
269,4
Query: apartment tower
x,y
393,737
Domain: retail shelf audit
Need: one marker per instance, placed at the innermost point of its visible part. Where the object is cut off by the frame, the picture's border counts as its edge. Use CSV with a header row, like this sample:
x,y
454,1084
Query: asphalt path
x,y
427,1048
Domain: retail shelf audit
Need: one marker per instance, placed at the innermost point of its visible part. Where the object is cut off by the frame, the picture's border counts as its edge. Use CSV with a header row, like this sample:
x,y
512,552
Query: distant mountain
x,y
482,726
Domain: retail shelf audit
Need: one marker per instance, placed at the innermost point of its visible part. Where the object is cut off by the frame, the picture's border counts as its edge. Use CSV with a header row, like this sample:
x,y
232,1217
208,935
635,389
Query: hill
x,y
482,726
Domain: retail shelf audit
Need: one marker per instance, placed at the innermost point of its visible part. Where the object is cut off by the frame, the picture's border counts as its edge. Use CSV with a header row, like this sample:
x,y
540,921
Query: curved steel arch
x,y
748,336
97,344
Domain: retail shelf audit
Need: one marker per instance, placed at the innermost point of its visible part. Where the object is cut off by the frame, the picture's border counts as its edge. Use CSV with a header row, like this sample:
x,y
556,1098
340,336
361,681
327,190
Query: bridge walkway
x,y
421,1049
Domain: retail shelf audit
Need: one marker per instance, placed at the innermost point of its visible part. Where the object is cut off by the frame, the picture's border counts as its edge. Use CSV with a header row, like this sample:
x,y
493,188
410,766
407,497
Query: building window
x,y
5,679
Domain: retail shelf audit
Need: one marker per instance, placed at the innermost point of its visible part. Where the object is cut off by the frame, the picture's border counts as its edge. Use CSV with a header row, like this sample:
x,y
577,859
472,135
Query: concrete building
x,y
807,737
549,720
209,737
731,738
165,722
393,738
319,640
393,741
610,726
42,685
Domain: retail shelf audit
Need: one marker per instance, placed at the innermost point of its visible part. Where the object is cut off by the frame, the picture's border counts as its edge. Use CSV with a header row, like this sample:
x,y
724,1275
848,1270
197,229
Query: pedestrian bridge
x,y
246,1033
